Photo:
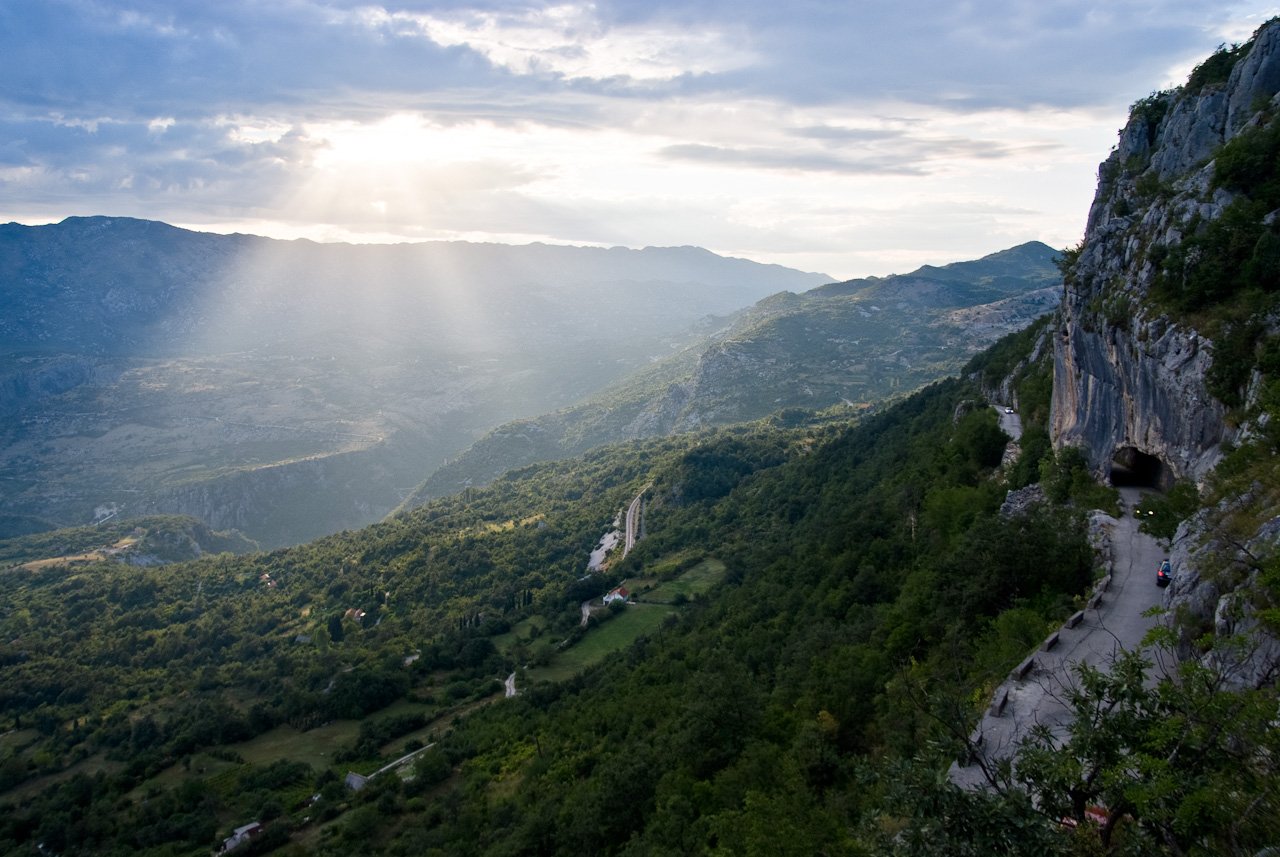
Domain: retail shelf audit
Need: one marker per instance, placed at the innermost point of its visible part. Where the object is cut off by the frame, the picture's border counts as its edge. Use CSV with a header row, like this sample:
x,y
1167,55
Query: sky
x,y
853,138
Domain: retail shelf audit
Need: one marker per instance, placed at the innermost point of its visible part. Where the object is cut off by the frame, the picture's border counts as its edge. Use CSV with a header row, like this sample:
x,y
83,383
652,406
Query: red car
x,y
1164,574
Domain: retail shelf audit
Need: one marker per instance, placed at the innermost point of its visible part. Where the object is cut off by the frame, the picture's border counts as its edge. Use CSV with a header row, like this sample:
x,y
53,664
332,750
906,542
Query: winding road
x,y
1010,422
1112,622
634,521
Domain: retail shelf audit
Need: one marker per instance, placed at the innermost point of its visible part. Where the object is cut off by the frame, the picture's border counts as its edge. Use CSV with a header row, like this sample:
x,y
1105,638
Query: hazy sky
x,y
857,137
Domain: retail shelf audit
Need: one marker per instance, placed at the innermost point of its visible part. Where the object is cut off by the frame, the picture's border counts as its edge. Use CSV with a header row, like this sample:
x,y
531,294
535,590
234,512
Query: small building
x,y
240,836
355,781
619,594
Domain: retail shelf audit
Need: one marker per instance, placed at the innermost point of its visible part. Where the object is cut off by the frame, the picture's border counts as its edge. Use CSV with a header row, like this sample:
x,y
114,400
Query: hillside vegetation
x,y
859,562
846,346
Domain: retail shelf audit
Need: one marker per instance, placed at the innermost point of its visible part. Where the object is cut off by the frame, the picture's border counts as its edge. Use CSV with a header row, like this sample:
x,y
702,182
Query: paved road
x,y
1115,623
633,522
1011,423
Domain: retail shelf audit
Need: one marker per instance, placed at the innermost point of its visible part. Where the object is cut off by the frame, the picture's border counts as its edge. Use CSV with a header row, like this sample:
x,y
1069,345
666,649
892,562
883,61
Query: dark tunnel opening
x,y
1134,468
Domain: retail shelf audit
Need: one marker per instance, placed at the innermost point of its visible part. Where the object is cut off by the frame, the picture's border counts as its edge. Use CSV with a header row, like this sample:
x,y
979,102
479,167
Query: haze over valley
x,y
289,389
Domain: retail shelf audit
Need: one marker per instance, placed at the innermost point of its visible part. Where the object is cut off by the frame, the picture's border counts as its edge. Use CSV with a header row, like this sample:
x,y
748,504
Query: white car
x,y
1008,410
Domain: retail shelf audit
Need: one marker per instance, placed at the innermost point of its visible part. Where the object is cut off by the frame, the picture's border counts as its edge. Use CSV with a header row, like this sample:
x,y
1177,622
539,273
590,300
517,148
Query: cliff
x,y
1162,345
1129,377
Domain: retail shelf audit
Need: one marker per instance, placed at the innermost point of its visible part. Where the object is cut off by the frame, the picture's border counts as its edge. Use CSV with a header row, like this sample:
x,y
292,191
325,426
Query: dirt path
x,y
510,685
1112,622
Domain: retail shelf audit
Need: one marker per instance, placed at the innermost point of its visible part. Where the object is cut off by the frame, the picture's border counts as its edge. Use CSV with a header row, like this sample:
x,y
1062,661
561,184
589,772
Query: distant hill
x,y
998,275
850,344
290,389
100,285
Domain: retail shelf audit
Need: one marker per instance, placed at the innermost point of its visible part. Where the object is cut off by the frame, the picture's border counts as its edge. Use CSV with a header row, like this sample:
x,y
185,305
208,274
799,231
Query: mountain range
x,y
851,345
292,389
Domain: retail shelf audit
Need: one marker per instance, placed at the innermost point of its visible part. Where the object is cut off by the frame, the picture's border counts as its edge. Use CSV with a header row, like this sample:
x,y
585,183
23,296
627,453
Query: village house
x,y
240,836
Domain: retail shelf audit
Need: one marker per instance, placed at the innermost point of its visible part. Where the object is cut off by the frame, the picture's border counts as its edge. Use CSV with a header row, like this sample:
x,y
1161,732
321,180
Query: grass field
x,y
693,582
522,630
315,746
614,635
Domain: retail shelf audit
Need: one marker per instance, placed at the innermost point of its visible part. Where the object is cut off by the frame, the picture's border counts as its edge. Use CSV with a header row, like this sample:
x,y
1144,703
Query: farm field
x,y
696,581
614,635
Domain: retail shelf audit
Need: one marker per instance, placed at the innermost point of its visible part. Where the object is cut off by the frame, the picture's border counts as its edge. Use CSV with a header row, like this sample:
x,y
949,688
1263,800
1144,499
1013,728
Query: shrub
x,y
1217,68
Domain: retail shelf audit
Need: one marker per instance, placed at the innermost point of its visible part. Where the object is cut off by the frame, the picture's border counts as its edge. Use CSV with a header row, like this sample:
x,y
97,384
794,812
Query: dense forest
x,y
859,561
819,610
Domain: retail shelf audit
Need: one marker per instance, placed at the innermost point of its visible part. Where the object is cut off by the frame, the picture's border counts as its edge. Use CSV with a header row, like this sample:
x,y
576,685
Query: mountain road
x,y
1010,422
1113,621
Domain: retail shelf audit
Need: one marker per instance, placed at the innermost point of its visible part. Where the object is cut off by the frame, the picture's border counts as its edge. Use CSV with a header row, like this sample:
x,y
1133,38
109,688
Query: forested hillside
x,y
857,562
849,346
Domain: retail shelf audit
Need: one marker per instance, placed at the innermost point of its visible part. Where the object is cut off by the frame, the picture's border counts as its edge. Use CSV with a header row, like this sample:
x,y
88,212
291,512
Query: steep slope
x,y
847,345
293,389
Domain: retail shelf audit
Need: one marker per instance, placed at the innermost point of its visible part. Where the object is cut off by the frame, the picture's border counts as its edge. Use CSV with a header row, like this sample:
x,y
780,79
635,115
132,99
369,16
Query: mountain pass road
x,y
1112,622
1010,422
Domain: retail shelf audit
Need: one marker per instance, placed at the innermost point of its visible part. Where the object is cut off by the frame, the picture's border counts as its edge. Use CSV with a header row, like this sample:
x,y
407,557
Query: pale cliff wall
x,y
1127,376
1124,375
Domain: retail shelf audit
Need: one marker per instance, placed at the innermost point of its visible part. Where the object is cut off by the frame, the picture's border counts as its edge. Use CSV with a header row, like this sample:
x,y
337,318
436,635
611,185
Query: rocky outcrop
x,y
1020,503
1214,587
1125,377
1140,389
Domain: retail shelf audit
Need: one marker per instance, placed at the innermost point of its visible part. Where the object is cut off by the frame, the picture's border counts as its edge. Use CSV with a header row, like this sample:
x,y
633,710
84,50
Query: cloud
x,y
781,159
998,53
187,58
878,152
570,41
734,125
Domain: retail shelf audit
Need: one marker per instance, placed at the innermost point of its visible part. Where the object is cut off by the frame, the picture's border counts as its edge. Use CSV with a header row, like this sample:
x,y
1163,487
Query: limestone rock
x,y
1126,378
1211,590
1022,501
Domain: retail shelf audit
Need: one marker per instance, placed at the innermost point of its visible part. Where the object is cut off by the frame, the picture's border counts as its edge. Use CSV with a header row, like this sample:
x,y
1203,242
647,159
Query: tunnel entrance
x,y
1134,468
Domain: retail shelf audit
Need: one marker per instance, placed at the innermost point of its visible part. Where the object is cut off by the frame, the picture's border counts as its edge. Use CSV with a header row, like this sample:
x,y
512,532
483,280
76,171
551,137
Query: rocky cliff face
x,y
1128,381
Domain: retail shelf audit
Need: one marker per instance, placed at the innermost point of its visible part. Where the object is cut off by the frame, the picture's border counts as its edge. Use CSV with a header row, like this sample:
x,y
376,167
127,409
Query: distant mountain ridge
x,y
117,285
848,344
292,389
994,276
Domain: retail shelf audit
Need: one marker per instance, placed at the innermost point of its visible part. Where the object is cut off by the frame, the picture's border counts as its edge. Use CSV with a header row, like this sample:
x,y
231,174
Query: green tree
x,y
1181,764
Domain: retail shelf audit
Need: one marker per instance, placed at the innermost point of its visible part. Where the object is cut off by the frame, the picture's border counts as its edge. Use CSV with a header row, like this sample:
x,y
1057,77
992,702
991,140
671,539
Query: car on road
x,y
1164,574
1008,410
